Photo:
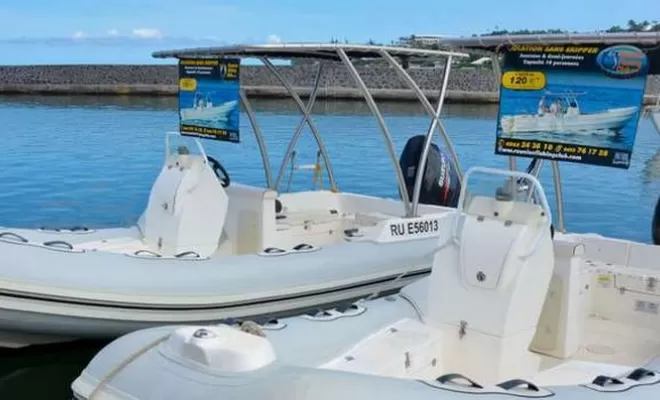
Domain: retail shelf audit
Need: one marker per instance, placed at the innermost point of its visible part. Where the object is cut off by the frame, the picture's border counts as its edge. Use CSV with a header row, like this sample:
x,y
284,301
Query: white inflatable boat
x,y
204,252
567,118
207,249
507,312
204,109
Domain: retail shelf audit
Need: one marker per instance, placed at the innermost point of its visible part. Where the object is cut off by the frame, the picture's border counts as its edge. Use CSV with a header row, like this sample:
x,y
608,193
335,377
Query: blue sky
x,y
127,31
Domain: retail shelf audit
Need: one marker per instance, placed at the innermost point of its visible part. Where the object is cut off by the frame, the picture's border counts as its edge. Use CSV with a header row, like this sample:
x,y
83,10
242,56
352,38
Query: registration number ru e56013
x,y
414,227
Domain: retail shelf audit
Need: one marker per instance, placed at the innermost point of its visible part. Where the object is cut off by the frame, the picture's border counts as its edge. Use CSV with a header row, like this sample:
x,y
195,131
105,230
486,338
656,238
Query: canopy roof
x,y
494,42
326,51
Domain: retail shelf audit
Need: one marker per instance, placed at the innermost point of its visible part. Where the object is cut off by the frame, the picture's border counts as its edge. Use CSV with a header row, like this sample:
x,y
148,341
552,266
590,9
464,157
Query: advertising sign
x,y
208,98
576,103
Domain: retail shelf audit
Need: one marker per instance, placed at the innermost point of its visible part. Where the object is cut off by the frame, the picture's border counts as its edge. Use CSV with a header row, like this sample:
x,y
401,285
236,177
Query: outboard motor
x,y
655,228
440,184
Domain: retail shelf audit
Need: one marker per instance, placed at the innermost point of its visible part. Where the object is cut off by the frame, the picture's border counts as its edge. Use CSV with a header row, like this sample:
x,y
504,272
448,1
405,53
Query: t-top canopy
x,y
326,51
344,53
495,42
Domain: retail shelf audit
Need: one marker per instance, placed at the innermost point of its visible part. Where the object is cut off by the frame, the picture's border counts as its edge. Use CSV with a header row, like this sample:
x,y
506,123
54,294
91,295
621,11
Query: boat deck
x,y
608,348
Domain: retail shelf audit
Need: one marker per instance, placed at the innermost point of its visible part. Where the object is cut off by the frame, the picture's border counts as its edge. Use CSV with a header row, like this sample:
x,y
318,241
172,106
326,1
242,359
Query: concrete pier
x,y
466,85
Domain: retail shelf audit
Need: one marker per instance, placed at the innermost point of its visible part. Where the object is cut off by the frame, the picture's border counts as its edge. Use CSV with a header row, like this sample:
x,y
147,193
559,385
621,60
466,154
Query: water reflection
x,y
651,171
44,372
66,169
272,106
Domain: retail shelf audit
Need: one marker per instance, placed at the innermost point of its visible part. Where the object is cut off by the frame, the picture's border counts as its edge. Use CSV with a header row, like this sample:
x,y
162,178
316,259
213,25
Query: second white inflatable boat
x,y
507,313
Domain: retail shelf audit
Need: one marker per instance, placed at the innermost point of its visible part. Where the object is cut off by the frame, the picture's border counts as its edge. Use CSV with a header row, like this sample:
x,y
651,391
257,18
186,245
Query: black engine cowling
x,y
440,185
655,228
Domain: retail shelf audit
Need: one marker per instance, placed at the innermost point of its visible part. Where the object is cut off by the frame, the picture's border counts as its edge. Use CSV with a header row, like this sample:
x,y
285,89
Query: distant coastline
x,y
465,85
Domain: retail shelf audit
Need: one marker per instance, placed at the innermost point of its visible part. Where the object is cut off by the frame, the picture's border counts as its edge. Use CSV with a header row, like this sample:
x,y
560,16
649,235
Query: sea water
x,y
89,161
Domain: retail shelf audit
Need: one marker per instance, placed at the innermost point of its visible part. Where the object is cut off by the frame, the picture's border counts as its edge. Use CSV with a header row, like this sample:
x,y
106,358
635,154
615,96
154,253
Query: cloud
x,y
132,38
147,33
109,39
272,38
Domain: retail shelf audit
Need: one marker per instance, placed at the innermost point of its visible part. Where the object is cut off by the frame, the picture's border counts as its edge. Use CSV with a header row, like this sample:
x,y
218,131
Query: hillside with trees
x,y
631,26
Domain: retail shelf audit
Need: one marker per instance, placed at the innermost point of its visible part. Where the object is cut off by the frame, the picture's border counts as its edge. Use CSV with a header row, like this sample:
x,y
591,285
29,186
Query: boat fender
x,y
655,229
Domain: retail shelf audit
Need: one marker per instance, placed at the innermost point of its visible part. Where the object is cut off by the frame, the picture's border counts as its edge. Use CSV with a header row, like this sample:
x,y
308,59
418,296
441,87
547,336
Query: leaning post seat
x,y
187,207
489,282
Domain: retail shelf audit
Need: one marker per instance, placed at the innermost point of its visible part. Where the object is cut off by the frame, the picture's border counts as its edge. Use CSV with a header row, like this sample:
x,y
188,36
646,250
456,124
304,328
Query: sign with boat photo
x,y
208,98
576,103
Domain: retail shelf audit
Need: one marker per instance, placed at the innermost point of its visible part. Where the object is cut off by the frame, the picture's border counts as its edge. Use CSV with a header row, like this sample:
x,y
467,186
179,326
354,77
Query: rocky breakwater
x,y
471,85
468,85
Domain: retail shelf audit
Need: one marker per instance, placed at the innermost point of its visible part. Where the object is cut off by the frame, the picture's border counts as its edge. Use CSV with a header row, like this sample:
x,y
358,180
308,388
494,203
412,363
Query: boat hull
x,y
343,356
612,120
212,113
58,320
60,294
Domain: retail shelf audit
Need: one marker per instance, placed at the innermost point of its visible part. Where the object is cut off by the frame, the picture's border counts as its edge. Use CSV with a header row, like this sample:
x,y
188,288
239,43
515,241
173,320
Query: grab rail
x,y
151,253
451,378
197,142
74,229
510,174
14,235
637,377
520,388
187,253
55,243
147,254
352,310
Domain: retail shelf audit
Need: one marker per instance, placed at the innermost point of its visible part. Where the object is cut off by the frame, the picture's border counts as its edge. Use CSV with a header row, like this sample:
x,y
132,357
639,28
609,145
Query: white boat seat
x,y
488,285
250,216
187,208
562,321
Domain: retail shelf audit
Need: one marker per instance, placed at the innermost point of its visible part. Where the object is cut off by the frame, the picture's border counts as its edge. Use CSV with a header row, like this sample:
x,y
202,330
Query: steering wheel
x,y
219,171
